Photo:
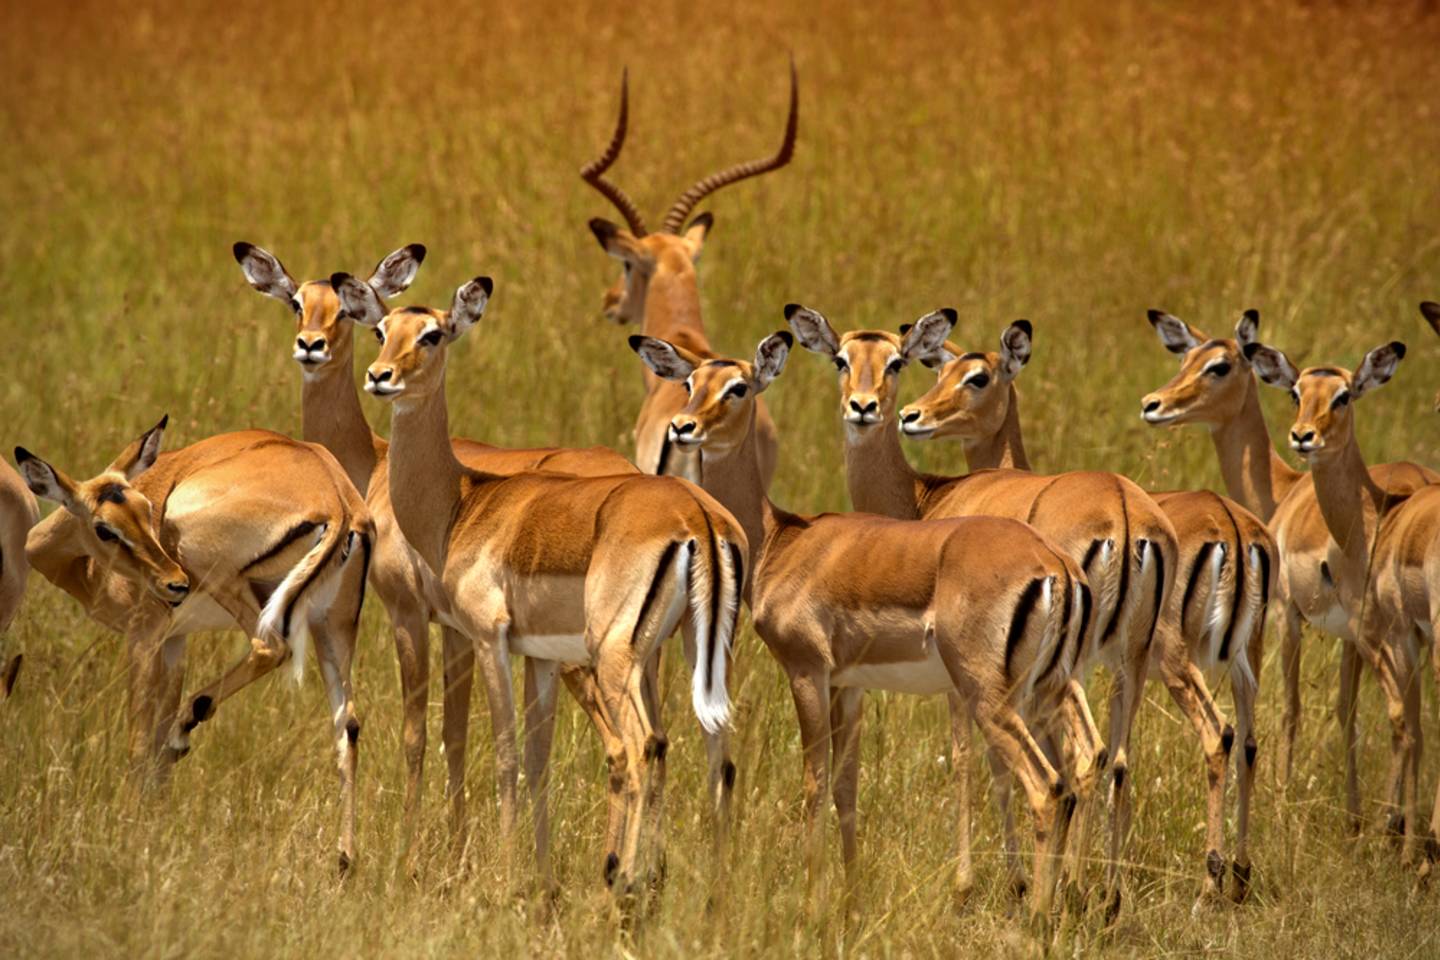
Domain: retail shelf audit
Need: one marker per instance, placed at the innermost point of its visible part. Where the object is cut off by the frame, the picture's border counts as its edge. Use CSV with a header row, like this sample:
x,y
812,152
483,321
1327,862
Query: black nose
x,y
178,587
686,428
381,377
1306,437
317,344
870,407
909,416
1152,406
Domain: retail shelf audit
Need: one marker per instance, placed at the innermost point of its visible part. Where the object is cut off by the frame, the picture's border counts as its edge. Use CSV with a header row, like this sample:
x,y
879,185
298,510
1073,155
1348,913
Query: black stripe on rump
x,y
654,588
1264,578
364,577
1064,629
1194,579
1114,623
1023,609
1239,589
1159,588
301,529
738,562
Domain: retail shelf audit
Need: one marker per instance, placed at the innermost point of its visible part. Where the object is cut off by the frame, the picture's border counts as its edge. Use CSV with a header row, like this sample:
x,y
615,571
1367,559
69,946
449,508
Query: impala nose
x,y
312,346
1150,405
178,590
684,429
909,415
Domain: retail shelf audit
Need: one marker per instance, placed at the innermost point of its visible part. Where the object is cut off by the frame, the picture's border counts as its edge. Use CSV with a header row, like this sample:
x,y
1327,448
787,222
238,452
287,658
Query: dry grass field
x,y
1067,162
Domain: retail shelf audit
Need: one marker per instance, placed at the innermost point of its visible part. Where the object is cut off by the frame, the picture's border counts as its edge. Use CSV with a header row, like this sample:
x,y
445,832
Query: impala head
x,y
1431,312
1214,377
868,362
114,528
675,248
972,396
322,323
722,393
411,364
1323,396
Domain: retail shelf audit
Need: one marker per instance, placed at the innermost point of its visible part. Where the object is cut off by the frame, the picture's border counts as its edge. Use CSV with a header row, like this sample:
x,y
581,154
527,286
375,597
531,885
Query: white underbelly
x,y
199,613
923,677
564,647
1332,620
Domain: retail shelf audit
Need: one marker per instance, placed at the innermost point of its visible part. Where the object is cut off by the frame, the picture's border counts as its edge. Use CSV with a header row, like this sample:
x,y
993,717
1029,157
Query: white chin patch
x,y
916,429
384,389
310,359
1157,417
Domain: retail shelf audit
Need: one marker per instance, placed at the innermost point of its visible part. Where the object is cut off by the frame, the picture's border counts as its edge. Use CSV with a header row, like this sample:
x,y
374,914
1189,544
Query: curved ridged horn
x,y
593,173
675,219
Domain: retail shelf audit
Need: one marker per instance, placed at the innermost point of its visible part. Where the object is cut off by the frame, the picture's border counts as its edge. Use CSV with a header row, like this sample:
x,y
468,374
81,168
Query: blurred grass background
x,y
1065,162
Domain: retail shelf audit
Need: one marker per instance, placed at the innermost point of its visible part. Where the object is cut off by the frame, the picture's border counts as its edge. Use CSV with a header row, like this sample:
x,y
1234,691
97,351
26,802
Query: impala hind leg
x,y
411,629
1432,842
1245,687
335,648
960,763
1191,694
1290,667
646,683
581,683
1089,758
155,674
492,658
845,715
811,692
1124,704
459,674
540,692
614,667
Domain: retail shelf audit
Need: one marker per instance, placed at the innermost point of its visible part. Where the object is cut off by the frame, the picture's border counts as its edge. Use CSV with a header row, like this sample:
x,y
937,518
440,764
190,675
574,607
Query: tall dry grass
x,y
1063,162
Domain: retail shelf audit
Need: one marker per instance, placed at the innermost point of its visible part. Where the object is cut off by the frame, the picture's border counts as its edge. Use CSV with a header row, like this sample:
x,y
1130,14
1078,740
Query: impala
x,y
1224,564
1104,522
332,417
595,571
250,529
1215,387
1385,551
982,608
18,513
659,289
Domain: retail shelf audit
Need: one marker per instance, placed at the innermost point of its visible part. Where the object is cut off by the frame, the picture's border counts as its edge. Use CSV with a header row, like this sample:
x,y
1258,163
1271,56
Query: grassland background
x,y
1068,163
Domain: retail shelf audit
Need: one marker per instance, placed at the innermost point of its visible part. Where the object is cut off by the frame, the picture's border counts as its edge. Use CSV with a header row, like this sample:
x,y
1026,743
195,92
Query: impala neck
x,y
424,475
1349,500
331,416
1254,473
733,477
881,480
1005,448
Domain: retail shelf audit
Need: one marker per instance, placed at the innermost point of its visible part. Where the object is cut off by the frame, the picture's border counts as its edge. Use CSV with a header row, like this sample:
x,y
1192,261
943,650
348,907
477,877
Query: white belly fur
x,y
564,647
923,677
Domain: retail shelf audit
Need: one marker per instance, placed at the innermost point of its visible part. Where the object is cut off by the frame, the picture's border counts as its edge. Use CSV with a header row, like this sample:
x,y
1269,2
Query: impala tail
x,y
717,573
313,579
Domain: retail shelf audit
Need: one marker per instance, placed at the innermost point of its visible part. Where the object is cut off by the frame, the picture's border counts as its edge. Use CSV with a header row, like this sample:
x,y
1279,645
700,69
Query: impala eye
x,y
737,392
1340,400
686,385
980,381
431,339
379,335
841,365
295,305
1295,397
105,534
1218,370
895,365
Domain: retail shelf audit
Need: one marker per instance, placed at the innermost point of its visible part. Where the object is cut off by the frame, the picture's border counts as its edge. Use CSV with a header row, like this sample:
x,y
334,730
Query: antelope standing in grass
x,y
592,571
659,289
1225,564
251,529
18,513
983,609
332,417
1215,387
1385,551
1117,534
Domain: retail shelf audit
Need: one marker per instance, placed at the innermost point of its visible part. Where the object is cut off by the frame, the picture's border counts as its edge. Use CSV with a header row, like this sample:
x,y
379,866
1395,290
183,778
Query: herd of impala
x,y
999,588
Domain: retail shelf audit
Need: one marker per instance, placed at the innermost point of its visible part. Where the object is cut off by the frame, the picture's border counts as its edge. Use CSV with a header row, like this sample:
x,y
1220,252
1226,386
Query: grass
x,y
1071,164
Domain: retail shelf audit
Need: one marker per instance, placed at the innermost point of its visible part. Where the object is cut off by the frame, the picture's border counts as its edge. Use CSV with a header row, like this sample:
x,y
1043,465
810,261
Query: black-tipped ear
x,y
21,455
1271,366
394,274
264,271
1377,368
813,329
905,328
704,221
1431,312
360,300
791,309
604,231
1247,330
663,358
770,357
1173,332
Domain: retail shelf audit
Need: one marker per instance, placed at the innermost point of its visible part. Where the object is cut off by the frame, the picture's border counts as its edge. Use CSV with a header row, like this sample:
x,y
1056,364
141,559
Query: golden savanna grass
x,y
1067,162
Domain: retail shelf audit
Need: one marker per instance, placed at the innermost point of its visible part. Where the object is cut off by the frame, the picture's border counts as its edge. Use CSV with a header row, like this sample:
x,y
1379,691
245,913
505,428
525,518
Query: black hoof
x,y
201,709
346,864
1241,890
1019,886
727,775
1112,906
612,864
1432,849
1395,825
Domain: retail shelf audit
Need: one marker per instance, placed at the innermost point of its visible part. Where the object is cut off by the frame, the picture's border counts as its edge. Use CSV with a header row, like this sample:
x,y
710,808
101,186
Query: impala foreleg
x,y
811,692
1290,668
540,692
459,674
492,658
845,715
412,650
1345,705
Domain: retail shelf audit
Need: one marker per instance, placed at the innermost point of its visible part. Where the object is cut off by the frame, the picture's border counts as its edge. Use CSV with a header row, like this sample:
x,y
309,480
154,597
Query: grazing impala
x,y
251,529
560,569
1215,387
18,513
659,289
982,608
331,414
1108,525
1385,551
1225,565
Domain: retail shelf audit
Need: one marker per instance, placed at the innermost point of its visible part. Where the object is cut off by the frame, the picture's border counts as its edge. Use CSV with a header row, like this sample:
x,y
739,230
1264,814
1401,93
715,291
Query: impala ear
x,y
1014,349
47,482
812,329
666,360
1271,366
620,243
1377,368
361,302
1431,312
925,339
1174,333
469,304
394,274
697,232
1248,329
265,272
140,455
770,358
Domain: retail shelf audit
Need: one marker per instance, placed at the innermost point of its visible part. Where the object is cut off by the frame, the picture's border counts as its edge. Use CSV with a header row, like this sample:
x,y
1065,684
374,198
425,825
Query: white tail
x,y
717,589
285,613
